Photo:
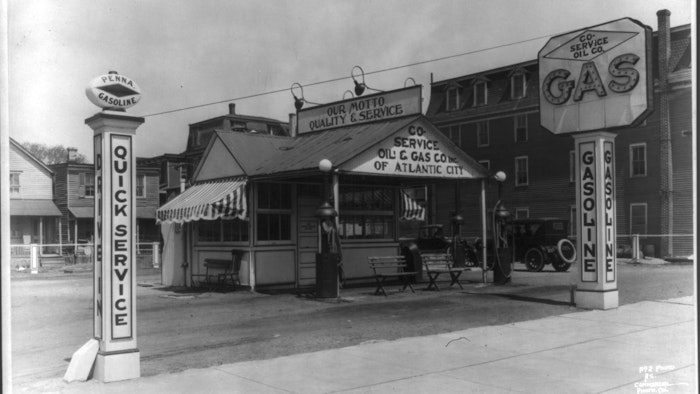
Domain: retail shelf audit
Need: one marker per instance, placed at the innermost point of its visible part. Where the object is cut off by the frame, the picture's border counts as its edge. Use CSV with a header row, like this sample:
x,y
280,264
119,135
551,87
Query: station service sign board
x,y
370,108
598,78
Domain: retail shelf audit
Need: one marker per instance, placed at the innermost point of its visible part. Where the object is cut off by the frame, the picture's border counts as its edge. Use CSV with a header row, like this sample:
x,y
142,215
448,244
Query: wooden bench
x,y
436,264
385,267
218,272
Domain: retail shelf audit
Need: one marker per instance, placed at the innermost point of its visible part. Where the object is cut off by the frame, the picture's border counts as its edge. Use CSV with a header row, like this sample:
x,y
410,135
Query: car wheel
x,y
560,265
534,260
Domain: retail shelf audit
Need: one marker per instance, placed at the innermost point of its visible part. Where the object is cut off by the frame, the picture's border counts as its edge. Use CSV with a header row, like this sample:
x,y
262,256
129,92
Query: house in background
x,y
33,215
176,169
75,198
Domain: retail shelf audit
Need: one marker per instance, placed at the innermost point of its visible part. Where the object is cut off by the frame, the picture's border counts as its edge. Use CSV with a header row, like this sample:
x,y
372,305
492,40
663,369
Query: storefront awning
x,y
33,208
207,201
410,209
82,212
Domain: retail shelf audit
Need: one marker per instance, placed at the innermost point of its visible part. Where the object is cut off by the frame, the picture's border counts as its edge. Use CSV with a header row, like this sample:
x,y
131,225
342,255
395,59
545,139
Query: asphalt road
x,y
52,316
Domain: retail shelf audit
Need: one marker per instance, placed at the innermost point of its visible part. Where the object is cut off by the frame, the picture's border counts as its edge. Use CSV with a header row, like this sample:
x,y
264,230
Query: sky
x,y
192,53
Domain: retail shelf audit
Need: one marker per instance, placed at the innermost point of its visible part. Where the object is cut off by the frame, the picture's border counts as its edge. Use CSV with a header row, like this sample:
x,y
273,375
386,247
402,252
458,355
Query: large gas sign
x,y
597,78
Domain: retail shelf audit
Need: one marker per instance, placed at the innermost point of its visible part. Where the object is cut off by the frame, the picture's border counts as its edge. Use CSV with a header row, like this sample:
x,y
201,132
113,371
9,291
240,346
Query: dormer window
x,y
517,85
480,93
452,99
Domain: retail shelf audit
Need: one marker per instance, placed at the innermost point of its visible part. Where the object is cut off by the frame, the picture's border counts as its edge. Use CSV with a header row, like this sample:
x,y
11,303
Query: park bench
x,y
220,273
436,264
386,267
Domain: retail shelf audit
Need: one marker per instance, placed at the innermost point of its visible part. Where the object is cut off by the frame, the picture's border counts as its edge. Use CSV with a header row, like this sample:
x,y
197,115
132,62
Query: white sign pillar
x,y
118,357
594,81
595,200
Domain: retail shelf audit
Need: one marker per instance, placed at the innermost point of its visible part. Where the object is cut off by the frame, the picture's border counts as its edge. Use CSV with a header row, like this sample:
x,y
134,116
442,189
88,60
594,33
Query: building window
x,y
486,164
480,93
517,86
522,213
638,160
274,217
521,171
572,221
482,133
638,218
15,190
452,99
455,135
572,166
87,185
520,128
222,230
141,186
367,212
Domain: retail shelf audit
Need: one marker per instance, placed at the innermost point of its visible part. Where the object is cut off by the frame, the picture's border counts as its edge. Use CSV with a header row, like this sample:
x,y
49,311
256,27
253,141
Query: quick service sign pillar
x,y
594,82
118,356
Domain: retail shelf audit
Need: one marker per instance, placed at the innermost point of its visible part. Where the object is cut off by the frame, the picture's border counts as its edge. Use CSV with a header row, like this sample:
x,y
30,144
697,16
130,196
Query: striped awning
x,y
207,201
410,209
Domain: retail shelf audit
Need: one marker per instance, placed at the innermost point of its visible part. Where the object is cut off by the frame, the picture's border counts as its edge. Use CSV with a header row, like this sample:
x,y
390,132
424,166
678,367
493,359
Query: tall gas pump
x,y
503,253
458,249
329,254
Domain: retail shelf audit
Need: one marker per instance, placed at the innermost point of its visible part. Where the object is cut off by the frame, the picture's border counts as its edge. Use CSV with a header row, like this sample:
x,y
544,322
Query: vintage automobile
x,y
538,242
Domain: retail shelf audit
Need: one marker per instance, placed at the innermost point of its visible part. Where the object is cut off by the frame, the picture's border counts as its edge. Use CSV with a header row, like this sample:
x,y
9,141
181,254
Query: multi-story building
x,y
33,214
75,197
494,117
177,169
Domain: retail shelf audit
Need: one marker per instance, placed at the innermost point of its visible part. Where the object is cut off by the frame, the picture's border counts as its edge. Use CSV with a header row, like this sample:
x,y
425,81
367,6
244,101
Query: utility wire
x,y
438,59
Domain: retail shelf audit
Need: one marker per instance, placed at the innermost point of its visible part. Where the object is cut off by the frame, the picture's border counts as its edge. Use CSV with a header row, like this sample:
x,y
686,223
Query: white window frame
x,y
646,216
479,142
516,123
449,105
15,187
514,83
83,182
519,211
143,189
485,163
527,171
631,153
476,87
572,166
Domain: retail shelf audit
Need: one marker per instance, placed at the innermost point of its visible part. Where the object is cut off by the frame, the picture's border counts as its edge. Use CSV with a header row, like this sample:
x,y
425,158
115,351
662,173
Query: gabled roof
x,y
259,154
256,155
29,155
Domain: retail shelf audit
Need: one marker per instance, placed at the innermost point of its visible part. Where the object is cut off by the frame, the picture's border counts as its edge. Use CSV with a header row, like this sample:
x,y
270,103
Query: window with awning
x,y
207,201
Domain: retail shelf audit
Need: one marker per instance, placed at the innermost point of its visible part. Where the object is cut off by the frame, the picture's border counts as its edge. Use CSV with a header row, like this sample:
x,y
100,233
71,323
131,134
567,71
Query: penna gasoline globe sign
x,y
597,78
113,91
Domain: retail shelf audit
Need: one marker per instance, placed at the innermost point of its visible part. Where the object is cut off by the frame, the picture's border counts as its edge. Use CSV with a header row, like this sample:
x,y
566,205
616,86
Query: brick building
x,y
494,117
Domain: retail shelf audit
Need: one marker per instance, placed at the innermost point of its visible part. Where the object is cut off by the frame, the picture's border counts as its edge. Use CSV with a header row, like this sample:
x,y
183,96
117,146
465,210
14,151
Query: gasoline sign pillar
x,y
114,317
594,82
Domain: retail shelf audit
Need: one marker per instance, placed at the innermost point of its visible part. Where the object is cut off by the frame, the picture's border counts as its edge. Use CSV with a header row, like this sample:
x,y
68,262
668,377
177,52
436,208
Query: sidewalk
x,y
638,348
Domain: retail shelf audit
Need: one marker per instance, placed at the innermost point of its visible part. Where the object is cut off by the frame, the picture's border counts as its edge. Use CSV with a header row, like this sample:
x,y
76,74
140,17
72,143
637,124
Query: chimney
x,y
665,146
72,155
232,108
292,125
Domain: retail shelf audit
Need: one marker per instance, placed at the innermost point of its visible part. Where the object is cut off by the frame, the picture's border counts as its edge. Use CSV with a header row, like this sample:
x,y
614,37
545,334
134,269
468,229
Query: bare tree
x,y
52,154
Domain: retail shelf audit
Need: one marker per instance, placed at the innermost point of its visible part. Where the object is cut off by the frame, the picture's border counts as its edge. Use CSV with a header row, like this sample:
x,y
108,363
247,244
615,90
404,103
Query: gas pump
x,y
329,254
502,250
458,250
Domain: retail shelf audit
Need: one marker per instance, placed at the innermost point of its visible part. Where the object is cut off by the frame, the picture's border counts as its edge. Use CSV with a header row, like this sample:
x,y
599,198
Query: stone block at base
x,y
597,299
114,367
82,361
